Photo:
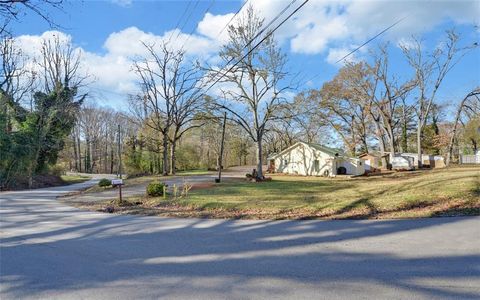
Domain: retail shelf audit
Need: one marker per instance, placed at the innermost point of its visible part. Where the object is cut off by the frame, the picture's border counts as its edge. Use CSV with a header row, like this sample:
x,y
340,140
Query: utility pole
x,y
221,148
119,165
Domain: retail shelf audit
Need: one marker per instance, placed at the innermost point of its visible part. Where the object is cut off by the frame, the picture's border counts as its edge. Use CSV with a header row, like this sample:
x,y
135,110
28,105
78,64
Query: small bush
x,y
155,189
104,182
56,170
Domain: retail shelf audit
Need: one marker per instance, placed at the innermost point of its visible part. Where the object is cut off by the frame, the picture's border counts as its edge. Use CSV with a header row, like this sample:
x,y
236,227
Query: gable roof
x,y
328,150
374,154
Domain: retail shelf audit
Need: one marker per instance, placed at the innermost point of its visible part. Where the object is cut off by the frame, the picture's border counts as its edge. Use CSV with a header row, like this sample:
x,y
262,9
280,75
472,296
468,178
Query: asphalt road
x,y
50,250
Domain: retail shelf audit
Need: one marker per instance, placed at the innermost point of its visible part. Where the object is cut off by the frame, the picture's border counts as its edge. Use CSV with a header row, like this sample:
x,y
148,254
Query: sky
x,y
108,34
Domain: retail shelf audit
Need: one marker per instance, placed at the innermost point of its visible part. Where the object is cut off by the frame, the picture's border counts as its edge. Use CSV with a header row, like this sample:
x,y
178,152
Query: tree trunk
x,y
259,157
75,153
404,143
111,160
419,145
454,132
172,158
391,140
165,155
105,154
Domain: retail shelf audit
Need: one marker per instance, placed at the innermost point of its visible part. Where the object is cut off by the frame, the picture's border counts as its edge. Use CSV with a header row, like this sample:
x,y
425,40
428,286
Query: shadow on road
x,y
72,250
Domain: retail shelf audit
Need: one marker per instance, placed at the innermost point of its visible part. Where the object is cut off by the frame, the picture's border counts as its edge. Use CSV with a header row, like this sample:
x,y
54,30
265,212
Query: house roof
x,y
374,154
328,150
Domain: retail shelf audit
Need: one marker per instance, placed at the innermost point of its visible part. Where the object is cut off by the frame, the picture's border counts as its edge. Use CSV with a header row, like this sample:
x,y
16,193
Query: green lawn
x,y
409,194
426,193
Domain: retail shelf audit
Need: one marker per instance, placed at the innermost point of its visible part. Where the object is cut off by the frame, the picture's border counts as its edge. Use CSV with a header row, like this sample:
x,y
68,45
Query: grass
x,y
426,193
71,179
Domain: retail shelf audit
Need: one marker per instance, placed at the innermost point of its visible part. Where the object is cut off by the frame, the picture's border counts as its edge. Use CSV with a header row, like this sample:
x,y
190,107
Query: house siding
x,y
301,160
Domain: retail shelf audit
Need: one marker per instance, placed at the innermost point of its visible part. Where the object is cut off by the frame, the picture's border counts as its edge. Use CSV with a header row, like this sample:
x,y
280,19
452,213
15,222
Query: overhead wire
x,y
264,28
258,44
364,44
179,20
212,2
233,17
187,19
371,39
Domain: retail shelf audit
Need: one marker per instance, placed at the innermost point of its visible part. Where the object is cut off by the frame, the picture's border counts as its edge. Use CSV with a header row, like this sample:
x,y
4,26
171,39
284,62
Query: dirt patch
x,y
202,185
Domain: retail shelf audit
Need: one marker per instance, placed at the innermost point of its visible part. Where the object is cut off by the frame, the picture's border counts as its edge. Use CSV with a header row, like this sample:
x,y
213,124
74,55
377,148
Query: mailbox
x,y
117,181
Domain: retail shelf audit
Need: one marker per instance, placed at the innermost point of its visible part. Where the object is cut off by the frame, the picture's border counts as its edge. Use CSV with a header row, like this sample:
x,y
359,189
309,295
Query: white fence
x,y
470,159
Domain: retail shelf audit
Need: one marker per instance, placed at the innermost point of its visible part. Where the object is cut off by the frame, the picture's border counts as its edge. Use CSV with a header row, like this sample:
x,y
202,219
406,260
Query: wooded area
x,y
51,124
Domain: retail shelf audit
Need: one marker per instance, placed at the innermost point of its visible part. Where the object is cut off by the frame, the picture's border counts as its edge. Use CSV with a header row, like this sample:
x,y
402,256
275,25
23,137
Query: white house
x,y
314,160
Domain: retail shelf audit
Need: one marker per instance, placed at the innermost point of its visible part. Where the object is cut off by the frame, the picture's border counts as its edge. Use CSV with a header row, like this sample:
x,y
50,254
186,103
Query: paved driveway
x,y
49,250
139,188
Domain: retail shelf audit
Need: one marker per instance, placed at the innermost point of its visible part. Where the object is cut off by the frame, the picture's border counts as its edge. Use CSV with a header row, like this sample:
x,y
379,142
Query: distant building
x,y
408,161
373,161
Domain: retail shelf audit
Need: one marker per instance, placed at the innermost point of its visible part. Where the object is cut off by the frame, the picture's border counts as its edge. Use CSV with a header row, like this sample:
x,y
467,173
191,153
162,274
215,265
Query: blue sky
x,y
107,32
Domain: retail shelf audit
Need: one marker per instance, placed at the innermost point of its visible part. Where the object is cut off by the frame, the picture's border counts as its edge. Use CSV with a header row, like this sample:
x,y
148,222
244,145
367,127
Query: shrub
x,y
155,189
56,170
104,182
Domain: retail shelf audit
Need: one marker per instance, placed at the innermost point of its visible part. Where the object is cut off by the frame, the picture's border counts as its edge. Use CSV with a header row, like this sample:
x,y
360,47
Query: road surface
x,y
53,251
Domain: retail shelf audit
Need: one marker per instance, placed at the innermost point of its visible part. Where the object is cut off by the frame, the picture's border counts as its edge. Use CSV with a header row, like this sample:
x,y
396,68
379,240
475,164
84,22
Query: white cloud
x,y
335,54
213,26
112,71
324,27
324,24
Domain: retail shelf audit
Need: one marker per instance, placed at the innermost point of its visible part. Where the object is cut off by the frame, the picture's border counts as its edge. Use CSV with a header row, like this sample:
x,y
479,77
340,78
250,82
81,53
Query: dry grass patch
x,y
426,193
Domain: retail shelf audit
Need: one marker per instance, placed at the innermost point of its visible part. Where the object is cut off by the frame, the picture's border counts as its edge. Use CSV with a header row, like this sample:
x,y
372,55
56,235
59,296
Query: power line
x,y
258,44
180,19
261,31
233,17
187,19
362,45
212,2
269,24
371,39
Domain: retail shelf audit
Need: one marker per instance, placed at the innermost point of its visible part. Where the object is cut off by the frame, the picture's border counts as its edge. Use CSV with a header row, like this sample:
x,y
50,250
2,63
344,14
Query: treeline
x,y
175,121
38,108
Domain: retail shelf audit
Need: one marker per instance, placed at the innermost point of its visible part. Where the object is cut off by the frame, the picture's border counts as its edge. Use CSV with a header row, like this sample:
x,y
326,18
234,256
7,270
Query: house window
x,y
316,165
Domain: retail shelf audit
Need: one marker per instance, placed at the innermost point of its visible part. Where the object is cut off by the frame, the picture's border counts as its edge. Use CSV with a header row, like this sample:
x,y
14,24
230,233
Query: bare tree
x,y
388,97
13,9
430,71
60,65
171,97
463,107
257,96
16,80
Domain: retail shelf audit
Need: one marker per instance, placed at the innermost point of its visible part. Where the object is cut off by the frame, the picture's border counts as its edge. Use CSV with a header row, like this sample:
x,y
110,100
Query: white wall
x,y
301,160
354,166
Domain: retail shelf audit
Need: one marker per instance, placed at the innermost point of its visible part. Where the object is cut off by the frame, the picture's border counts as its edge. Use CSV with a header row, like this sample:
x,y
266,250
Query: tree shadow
x,y
100,250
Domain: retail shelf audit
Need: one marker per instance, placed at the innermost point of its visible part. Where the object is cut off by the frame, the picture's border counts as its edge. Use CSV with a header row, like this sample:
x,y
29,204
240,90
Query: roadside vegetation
x,y
426,193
